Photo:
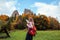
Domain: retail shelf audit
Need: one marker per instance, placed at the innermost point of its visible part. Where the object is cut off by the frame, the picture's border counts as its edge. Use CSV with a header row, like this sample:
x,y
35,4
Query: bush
x,y
19,26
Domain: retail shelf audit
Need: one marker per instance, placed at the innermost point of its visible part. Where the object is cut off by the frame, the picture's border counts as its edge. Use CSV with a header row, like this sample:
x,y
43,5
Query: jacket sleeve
x,y
30,25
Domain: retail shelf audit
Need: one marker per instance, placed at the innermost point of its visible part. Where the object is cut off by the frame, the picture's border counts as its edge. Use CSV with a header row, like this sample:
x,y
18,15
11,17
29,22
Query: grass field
x,y
41,35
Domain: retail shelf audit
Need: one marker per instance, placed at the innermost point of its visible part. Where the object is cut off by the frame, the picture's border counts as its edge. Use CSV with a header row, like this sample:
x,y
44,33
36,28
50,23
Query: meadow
x,y
41,35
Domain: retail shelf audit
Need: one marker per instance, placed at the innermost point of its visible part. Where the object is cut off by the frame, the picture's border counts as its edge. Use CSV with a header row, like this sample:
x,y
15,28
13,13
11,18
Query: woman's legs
x,y
29,37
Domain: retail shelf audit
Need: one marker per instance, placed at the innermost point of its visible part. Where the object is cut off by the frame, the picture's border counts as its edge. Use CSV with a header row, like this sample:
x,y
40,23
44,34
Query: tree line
x,y
16,21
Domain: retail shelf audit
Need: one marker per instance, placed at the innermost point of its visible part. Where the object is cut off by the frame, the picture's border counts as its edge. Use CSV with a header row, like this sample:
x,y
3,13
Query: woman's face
x,y
30,19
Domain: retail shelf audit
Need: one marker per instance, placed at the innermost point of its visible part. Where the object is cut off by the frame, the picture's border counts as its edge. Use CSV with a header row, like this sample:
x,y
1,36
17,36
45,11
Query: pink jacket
x,y
30,24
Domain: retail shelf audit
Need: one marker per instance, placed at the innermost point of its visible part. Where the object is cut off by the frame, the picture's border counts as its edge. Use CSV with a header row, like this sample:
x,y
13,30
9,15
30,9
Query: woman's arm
x,y
30,25
27,21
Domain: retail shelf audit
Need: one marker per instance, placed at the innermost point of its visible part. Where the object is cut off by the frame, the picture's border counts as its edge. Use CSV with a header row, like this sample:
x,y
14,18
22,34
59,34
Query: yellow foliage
x,y
4,17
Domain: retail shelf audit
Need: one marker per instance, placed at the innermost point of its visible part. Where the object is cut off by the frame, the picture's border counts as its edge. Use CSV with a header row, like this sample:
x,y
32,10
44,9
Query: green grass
x,y
41,35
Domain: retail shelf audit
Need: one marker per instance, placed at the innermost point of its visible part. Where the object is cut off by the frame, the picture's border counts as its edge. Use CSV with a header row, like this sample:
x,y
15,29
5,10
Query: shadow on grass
x,y
3,37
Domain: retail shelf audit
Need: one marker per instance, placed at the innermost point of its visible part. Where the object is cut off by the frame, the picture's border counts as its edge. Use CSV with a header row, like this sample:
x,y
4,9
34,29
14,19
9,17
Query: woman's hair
x,y
30,19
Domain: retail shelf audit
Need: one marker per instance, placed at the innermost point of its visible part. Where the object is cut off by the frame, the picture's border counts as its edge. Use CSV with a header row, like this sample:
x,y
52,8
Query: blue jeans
x,y
29,37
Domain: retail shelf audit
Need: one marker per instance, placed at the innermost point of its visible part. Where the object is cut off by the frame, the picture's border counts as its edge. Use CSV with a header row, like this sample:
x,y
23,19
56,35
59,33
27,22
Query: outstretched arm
x,y
27,21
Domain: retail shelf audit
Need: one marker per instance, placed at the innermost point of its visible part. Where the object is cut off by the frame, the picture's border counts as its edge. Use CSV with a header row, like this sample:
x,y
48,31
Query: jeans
x,y
29,37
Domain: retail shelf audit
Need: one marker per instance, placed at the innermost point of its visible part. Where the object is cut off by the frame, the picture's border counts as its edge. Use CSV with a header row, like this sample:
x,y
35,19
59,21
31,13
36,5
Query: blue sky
x,y
46,7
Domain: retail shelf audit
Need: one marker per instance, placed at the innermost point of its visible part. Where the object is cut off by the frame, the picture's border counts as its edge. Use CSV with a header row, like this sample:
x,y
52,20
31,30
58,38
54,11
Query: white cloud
x,y
7,7
48,9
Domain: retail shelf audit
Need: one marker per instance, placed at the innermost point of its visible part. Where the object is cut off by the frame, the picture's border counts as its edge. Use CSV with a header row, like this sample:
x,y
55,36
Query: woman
x,y
30,24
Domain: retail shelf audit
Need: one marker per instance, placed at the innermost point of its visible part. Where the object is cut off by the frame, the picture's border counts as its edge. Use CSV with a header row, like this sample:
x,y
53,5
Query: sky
x,y
46,7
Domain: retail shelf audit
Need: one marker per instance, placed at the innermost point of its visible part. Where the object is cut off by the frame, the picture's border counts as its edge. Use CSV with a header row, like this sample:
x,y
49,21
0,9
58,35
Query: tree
x,y
4,17
42,22
15,19
3,20
54,24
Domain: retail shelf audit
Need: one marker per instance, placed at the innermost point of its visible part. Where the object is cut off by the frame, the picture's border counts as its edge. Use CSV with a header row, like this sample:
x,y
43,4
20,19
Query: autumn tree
x,y
4,21
42,22
4,17
54,24
14,19
27,13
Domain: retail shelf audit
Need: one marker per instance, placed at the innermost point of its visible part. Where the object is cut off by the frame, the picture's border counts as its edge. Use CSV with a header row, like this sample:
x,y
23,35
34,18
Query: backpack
x,y
32,31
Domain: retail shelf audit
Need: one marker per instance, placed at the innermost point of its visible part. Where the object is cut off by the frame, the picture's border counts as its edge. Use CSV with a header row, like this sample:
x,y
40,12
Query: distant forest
x,y
17,21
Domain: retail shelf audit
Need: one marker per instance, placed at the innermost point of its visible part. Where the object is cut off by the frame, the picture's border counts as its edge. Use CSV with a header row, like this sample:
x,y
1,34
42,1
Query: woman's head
x,y
30,19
